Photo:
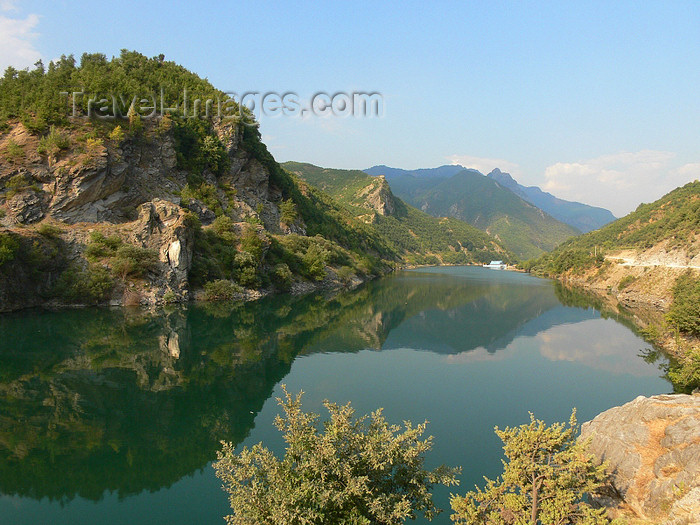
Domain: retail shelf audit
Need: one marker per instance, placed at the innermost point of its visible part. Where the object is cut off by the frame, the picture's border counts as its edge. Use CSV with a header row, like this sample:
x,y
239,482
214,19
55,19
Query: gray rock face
x,y
378,196
652,446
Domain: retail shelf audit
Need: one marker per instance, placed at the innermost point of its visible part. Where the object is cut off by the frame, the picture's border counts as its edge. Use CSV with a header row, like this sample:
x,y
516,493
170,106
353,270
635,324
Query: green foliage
x,y
207,193
117,135
315,260
282,276
355,471
626,281
288,211
53,143
133,261
224,227
89,285
49,230
251,242
684,313
9,246
14,152
19,183
545,480
126,260
221,290
199,148
684,372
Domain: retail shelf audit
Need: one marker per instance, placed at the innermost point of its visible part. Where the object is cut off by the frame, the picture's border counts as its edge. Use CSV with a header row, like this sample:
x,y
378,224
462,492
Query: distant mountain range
x,y
469,195
581,216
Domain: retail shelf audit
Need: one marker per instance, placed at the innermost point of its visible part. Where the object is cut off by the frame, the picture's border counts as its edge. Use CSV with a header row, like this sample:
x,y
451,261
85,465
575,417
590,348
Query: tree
x,y
545,479
355,471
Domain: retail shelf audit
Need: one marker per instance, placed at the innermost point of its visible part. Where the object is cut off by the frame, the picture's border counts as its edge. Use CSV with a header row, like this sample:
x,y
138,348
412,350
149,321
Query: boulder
x,y
652,447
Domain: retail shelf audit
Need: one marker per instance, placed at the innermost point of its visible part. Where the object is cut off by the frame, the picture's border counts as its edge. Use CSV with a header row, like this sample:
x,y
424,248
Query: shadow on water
x,y
125,400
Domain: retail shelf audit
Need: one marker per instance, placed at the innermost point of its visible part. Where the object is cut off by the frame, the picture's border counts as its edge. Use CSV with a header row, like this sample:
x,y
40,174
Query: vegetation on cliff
x,y
82,150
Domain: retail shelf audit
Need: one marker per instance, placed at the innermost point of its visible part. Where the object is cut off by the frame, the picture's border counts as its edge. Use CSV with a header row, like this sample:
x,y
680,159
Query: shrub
x,y
221,290
626,281
315,260
13,151
684,313
282,276
354,470
252,243
8,247
133,261
545,479
49,230
117,135
84,286
288,211
224,227
345,274
51,144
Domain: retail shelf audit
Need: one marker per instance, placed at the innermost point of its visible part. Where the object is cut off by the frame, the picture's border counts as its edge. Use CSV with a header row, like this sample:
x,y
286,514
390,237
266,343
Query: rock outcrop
x,y
129,188
378,197
652,447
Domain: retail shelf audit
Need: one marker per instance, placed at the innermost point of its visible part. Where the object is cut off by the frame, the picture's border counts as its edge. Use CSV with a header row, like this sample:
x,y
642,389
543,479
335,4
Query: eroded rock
x,y
652,446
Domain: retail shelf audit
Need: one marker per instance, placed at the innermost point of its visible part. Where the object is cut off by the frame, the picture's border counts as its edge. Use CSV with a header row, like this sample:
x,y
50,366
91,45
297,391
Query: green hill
x,y
417,236
474,198
674,220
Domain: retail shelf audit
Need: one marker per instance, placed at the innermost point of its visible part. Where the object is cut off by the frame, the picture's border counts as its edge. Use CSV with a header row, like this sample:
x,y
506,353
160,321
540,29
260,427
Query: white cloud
x,y
485,165
17,39
621,181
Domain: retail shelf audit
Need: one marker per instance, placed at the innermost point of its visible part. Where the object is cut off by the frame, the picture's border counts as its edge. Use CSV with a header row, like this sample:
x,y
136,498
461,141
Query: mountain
x,y
581,216
470,196
418,237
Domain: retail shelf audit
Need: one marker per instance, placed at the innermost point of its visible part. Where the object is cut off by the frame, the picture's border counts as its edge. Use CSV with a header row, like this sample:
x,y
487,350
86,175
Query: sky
x,y
596,102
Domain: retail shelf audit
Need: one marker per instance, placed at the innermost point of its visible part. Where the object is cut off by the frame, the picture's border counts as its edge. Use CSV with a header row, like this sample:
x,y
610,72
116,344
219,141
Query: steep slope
x,y
473,198
581,216
419,237
135,207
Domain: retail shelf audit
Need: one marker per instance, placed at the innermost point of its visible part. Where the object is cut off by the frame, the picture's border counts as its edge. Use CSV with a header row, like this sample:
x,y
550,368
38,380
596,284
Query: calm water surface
x,y
114,416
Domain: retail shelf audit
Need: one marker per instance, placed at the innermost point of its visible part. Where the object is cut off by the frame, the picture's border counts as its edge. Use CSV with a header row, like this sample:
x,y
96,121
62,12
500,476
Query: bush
x,y
221,290
545,480
133,261
49,230
117,135
53,143
13,151
8,248
356,470
684,313
315,260
288,211
84,286
224,227
282,276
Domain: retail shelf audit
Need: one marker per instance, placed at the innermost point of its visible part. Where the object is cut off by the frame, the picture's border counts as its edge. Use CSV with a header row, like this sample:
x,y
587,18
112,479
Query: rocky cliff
x,y
652,447
91,213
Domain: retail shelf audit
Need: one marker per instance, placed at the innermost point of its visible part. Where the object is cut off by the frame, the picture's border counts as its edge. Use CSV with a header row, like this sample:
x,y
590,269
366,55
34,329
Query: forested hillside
x,y
417,236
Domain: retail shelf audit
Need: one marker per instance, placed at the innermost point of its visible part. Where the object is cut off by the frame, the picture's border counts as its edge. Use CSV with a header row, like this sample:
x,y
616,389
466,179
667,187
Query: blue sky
x,y
596,102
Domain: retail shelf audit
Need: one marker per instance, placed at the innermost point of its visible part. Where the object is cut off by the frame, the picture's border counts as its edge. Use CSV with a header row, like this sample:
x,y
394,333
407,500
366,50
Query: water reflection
x,y
125,401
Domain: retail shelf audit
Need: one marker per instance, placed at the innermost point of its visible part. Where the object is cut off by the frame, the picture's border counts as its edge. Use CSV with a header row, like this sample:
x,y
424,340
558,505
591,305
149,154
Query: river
x,y
113,416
